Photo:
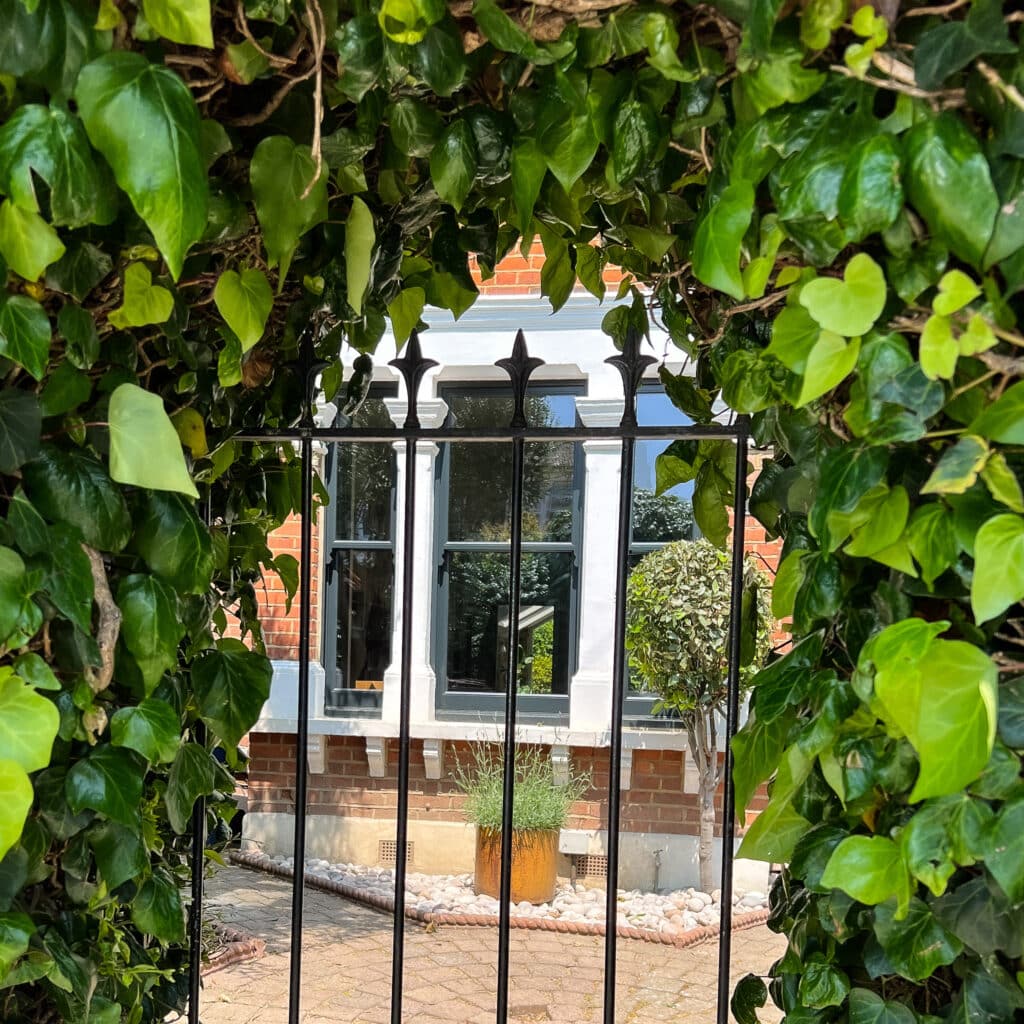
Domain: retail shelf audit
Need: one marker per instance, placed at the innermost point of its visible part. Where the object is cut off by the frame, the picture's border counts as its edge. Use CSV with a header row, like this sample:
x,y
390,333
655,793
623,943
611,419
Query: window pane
x,y
668,516
365,581
478,622
366,475
480,480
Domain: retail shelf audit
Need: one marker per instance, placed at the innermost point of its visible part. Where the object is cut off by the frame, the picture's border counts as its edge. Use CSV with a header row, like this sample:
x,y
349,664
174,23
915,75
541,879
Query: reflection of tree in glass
x,y
481,474
365,474
661,517
536,671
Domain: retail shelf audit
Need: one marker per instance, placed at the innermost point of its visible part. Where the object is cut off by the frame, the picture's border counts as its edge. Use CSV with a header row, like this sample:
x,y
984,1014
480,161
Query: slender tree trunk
x,y
705,755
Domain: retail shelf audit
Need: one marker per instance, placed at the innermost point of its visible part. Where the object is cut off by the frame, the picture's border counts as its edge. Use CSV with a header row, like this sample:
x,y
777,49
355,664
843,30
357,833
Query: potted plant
x,y
539,811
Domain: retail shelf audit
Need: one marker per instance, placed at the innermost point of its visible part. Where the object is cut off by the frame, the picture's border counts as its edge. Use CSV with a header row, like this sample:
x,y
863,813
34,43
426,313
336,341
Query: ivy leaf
x,y
175,543
748,997
68,578
79,270
415,127
977,337
1003,859
758,748
916,945
939,350
978,913
948,181
1002,482
951,45
453,163
123,94
50,143
636,137
231,685
120,853
152,728
870,869
143,302
945,701
27,242
16,931
845,478
109,780
16,798
25,334
157,910
191,776
181,21
871,193
359,241
775,831
716,245
931,535
998,580
360,47
151,626
72,487
407,21
280,172
245,300
529,166
66,389
20,427
144,447
829,363
849,307
405,313
822,984
958,468
867,1007
506,35
28,722
1003,420
956,290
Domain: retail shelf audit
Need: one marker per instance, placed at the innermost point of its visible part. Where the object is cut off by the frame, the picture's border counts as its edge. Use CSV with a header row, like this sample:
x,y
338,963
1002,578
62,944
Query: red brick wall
x,y
653,803
520,275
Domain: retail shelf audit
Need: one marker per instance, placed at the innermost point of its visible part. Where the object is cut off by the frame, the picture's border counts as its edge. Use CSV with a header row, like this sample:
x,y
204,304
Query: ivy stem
x,y
1011,92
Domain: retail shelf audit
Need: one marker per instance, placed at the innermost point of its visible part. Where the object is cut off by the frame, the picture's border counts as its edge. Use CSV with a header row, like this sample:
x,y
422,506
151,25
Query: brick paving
x,y
450,971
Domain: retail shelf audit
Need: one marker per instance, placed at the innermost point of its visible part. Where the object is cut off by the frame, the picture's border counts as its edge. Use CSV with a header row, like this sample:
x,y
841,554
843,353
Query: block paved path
x,y
450,973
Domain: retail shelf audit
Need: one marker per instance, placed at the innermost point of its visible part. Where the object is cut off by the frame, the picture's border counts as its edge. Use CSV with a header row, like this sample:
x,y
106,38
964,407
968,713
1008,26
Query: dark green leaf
x,y
440,60
716,246
120,852
68,575
65,390
175,543
152,728
867,1007
78,271
823,984
72,487
108,780
748,997
191,776
157,908
231,686
915,945
25,333
846,476
151,625
1003,420
871,194
415,127
360,47
453,163
979,915
20,427
636,139
16,930
951,45
1003,860
757,749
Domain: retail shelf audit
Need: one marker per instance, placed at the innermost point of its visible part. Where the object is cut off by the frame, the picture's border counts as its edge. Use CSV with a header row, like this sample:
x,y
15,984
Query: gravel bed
x,y
670,913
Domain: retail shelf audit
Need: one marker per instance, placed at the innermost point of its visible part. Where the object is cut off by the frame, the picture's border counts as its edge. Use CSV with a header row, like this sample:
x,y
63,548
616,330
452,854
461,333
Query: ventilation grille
x,y
591,865
387,851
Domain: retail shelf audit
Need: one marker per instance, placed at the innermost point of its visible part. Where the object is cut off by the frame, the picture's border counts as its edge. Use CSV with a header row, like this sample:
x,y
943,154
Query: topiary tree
x,y
677,636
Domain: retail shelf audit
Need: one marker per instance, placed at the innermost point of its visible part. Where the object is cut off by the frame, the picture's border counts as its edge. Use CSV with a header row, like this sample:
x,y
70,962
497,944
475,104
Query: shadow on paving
x,y
450,972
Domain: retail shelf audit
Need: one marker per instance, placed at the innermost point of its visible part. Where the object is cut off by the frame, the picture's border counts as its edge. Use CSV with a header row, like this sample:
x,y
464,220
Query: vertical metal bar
x,y
509,750
402,810
195,915
302,727
615,740
732,712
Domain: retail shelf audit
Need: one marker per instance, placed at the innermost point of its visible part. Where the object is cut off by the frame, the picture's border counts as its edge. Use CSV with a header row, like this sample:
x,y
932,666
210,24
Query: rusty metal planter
x,y
534,864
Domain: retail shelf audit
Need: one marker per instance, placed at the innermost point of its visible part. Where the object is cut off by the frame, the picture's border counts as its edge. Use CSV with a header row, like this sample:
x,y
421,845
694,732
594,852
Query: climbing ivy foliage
x,y
821,202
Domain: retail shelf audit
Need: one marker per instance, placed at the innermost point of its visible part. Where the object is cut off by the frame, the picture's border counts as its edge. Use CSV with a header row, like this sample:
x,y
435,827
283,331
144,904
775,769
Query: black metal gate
x,y
412,366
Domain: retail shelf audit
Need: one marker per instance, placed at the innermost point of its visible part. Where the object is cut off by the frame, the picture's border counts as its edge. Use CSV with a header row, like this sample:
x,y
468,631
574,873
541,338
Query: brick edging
x,y
387,903
238,948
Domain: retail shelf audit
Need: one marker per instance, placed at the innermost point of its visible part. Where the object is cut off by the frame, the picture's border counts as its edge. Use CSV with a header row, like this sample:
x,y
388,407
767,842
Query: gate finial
x,y
631,365
412,366
519,366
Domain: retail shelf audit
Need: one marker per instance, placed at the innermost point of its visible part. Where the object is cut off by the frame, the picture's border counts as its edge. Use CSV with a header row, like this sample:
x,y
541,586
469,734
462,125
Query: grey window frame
x,y
535,708
352,703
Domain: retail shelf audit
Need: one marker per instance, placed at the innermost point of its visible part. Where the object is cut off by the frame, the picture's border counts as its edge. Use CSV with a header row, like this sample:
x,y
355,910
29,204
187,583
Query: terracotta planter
x,y
534,864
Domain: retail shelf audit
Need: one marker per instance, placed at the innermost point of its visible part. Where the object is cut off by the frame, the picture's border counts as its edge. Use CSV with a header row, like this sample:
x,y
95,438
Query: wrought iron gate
x,y
412,366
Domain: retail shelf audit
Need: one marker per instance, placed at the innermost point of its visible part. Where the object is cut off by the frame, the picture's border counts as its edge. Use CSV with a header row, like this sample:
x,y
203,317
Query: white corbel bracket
x,y
560,764
316,754
377,756
433,758
626,768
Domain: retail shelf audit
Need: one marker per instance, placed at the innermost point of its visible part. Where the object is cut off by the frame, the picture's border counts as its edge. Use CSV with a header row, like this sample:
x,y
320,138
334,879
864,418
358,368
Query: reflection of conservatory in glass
x,y
459,608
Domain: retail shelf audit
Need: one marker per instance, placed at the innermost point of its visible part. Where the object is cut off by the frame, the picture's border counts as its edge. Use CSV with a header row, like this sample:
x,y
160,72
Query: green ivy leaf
x,y
846,477
109,780
20,427
415,127
1003,859
175,543
248,64
870,869
453,163
529,166
931,535
65,390
151,627
50,143
16,797
822,984
245,300
152,728
181,21
407,21
16,931
143,302
867,1007
36,672
939,350
958,468
144,447
998,580
757,750
231,685
25,334
405,312
120,853
636,135
191,776
829,363
27,242
948,181
360,47
916,945
951,45
157,909
977,337
956,290
719,237
78,329
978,913
359,241
748,997
871,193
122,94
889,518
280,173
775,831
1003,420
849,307
68,575
1002,482
28,721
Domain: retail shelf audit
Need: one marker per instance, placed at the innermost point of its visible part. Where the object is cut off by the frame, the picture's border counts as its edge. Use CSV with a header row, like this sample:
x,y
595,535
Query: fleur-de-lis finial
x,y
412,366
519,366
631,365
310,366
